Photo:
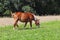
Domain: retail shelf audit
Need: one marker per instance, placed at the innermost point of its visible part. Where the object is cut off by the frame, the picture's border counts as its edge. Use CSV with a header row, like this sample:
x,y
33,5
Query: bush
x,y
7,13
27,8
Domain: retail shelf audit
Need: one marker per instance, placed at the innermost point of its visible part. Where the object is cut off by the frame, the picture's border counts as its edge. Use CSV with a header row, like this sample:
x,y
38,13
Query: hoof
x,y
30,27
15,28
38,26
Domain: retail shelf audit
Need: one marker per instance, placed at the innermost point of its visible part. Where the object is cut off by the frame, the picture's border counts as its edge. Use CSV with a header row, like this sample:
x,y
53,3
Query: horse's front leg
x,y
31,24
25,24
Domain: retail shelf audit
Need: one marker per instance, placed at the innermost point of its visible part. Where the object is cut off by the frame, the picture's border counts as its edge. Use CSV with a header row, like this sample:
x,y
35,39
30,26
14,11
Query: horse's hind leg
x,y
15,23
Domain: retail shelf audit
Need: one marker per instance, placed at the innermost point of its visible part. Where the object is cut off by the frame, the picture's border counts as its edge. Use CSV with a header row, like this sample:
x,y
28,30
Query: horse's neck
x,y
35,17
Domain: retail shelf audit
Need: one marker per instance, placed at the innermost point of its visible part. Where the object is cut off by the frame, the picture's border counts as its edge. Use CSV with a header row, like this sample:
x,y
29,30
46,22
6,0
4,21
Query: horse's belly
x,y
22,20
25,18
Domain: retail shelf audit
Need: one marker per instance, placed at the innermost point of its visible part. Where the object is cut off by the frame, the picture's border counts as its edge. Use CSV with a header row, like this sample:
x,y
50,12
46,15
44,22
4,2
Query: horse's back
x,y
27,16
31,16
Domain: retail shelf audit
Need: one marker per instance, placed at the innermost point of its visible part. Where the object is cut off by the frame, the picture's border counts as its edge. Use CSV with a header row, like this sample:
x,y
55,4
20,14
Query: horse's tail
x,y
12,14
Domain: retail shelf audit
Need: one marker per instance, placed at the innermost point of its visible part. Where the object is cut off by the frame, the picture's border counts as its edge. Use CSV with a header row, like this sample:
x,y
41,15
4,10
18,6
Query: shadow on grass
x,y
29,28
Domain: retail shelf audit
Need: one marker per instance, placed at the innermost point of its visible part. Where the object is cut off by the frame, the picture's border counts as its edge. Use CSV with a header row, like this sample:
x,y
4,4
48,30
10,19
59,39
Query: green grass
x,y
47,31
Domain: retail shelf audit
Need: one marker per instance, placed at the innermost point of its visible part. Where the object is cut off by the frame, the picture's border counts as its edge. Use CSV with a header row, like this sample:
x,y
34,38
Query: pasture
x,y
47,31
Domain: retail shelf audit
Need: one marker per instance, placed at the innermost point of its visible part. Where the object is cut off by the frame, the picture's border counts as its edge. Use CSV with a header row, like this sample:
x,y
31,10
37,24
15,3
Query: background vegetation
x,y
39,7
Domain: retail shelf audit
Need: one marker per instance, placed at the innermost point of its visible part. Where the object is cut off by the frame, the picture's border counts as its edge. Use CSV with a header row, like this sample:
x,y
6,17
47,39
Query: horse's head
x,y
37,22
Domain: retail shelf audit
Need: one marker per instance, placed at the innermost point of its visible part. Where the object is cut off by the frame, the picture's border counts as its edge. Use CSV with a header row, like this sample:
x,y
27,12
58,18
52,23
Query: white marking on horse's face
x,y
35,18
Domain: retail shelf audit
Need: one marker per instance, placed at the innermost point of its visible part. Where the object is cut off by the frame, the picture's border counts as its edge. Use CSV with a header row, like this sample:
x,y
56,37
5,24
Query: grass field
x,y
47,31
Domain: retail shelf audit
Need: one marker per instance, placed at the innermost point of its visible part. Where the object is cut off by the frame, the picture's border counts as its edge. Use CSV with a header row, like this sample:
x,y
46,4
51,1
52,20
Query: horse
x,y
25,17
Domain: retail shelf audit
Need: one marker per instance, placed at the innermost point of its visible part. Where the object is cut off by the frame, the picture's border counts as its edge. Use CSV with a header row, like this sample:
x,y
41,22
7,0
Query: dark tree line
x,y
39,7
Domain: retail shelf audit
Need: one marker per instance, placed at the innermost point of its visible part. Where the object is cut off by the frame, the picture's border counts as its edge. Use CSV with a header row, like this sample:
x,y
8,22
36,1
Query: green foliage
x,y
40,7
1,7
7,12
6,5
27,8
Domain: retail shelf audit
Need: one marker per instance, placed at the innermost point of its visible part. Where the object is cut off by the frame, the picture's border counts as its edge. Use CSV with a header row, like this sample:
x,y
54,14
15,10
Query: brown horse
x,y
24,17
